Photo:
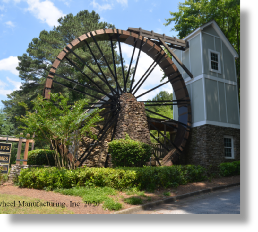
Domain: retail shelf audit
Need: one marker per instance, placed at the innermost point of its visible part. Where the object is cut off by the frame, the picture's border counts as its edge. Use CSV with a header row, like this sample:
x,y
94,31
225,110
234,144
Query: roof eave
x,y
220,33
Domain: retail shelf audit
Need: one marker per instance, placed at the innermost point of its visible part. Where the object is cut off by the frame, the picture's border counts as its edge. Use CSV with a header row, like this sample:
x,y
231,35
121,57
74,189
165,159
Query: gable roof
x,y
219,32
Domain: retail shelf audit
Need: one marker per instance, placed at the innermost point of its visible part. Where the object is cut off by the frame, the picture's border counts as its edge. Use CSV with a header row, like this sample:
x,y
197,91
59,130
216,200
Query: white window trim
x,y
232,148
219,66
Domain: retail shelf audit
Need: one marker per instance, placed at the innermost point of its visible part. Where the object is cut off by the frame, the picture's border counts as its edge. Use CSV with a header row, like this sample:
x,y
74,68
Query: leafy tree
x,y
61,124
163,110
42,51
194,13
6,127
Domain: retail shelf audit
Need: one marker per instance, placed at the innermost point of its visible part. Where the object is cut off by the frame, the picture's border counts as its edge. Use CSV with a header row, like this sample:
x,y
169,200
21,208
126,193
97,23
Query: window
x,y
214,61
228,147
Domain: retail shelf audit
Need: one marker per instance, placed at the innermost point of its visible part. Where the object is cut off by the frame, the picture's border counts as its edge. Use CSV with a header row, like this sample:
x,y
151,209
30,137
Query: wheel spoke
x,y
95,107
135,43
99,103
152,89
157,86
103,56
104,132
109,112
113,134
154,64
169,120
114,63
166,104
105,81
121,59
79,91
167,139
140,49
87,67
159,141
164,123
167,101
77,83
106,124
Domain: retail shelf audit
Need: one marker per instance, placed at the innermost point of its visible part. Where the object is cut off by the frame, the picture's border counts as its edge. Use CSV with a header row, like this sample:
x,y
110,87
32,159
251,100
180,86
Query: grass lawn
x,y
13,204
95,196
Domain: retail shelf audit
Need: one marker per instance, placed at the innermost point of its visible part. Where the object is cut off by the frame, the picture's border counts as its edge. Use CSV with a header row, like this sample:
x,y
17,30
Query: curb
x,y
172,199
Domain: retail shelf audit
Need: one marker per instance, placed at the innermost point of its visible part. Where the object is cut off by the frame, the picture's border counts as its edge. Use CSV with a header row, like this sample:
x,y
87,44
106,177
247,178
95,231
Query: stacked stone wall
x,y
16,169
98,156
132,120
205,146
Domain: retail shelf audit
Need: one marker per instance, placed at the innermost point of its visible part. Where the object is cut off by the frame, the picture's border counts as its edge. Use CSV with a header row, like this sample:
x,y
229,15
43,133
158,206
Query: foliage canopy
x,y
194,13
60,124
34,65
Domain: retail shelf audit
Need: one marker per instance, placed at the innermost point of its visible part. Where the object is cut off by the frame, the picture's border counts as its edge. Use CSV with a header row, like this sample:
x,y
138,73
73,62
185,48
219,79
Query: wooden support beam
x,y
26,150
17,139
19,150
153,35
176,58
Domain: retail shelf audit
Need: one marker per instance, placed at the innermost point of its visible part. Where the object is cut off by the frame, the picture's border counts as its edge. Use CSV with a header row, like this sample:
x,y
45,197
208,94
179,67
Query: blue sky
x,y
22,20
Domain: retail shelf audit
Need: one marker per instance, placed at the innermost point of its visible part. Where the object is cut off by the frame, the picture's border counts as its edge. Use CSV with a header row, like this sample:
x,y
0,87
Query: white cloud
x,y
66,2
101,7
107,6
7,1
2,7
10,64
9,23
123,2
45,11
4,91
16,84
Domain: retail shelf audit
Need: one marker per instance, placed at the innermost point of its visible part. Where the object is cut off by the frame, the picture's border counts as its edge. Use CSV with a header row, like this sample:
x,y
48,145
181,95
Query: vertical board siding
x,y
228,64
212,100
232,106
197,101
207,43
210,30
185,61
178,54
189,89
175,109
223,114
195,56
218,49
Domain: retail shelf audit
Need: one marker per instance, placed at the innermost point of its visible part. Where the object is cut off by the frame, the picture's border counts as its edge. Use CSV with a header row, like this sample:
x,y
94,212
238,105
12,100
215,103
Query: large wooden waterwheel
x,y
118,89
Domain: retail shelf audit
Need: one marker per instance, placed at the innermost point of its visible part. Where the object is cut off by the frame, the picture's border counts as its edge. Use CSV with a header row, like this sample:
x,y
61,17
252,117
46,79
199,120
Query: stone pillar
x,y
132,120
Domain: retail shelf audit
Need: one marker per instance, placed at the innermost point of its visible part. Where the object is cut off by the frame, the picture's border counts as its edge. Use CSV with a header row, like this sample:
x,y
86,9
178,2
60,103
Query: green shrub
x,y
41,157
166,194
133,200
149,178
230,168
129,153
194,173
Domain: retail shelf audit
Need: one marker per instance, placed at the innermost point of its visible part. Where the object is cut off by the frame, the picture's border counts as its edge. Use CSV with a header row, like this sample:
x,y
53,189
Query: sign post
x,y
5,155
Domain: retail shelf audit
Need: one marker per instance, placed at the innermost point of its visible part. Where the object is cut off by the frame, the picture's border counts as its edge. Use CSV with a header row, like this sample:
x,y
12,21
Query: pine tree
x,y
34,65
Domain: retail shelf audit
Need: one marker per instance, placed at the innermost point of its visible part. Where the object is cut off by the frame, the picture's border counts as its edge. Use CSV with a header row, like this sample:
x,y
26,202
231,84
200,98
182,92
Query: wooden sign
x,y
4,168
5,148
5,158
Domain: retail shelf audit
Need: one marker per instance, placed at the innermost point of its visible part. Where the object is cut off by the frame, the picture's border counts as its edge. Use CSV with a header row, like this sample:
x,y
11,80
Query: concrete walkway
x,y
208,201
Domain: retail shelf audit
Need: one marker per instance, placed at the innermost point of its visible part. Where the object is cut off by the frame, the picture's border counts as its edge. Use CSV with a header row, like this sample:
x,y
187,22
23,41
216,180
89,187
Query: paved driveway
x,y
226,201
